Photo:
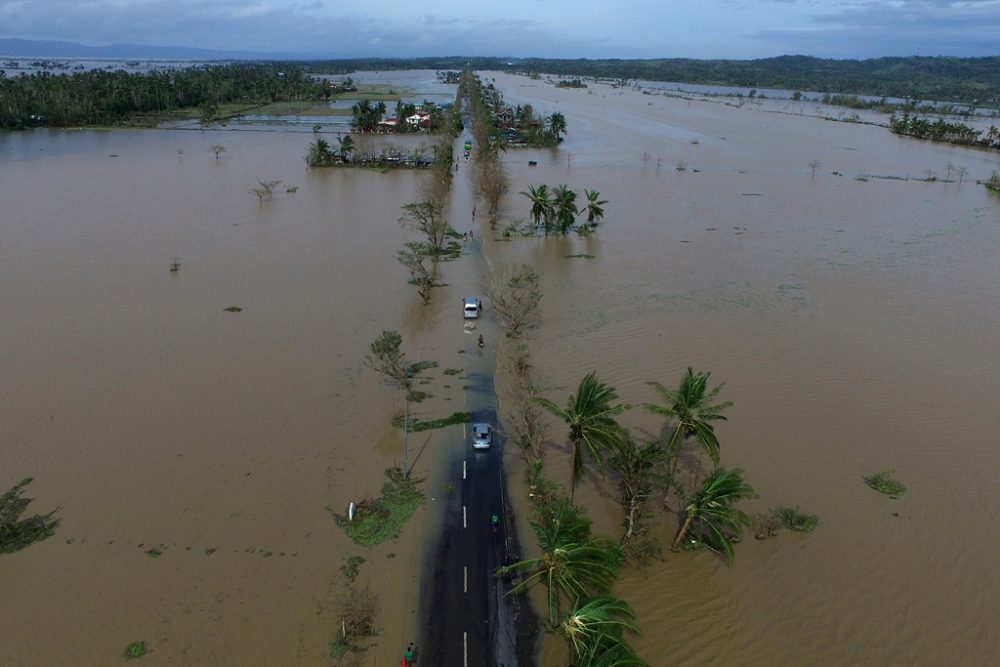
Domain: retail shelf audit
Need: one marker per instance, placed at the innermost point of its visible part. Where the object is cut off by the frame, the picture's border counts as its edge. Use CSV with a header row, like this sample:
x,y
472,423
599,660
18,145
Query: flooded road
x,y
852,318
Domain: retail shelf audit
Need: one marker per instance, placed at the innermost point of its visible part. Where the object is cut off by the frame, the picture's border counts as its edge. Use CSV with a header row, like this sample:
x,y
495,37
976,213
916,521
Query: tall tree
x,y
557,125
572,565
541,204
515,295
426,218
692,409
595,207
387,358
415,257
590,416
597,622
641,471
565,209
710,514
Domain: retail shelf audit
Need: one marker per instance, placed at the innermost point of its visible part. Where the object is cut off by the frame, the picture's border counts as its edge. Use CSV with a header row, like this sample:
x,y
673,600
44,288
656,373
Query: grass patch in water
x,y
453,371
379,519
884,482
427,424
795,519
154,553
580,255
135,650
233,309
350,568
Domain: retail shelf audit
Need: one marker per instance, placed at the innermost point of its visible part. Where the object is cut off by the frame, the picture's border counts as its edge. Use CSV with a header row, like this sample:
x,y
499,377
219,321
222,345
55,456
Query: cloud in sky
x,y
547,28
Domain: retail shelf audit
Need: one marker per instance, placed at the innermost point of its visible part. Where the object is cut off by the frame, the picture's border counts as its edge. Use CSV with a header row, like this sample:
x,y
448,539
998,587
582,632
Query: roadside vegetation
x,y
884,482
379,519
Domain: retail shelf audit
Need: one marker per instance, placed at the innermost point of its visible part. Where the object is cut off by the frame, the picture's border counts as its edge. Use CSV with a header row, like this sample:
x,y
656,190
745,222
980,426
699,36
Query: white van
x,y
471,307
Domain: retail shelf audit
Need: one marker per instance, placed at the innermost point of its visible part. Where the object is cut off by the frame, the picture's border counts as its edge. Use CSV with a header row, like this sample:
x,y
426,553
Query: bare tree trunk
x,y
683,531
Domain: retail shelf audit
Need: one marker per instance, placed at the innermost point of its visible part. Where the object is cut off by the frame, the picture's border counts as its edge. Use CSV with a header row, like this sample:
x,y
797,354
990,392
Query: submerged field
x,y
852,320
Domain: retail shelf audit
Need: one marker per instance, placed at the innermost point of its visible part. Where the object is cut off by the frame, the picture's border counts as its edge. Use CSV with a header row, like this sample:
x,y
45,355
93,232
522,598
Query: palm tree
x,y
541,205
573,570
590,417
595,207
564,205
710,515
557,125
692,407
596,622
610,654
346,144
319,153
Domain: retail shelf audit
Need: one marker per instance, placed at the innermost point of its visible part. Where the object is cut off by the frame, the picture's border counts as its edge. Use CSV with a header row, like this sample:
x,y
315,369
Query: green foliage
x,y
416,424
884,482
154,553
453,371
382,518
17,533
795,519
710,517
210,550
135,650
350,568
233,309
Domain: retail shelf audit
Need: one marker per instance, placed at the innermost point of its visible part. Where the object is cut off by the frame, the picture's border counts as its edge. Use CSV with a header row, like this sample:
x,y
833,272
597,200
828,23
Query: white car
x,y
471,307
482,436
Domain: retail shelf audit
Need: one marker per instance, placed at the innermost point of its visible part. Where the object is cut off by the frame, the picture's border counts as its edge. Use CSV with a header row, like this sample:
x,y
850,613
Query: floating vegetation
x,y
135,650
884,482
795,519
580,255
350,568
233,309
175,265
421,366
453,371
380,519
416,424
154,553
17,533
210,550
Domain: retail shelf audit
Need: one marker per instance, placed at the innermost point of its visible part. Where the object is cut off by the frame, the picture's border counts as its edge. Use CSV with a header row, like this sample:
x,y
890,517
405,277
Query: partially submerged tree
x,y
427,219
591,420
492,183
218,149
692,409
264,190
595,207
642,475
17,533
595,626
387,358
710,515
514,295
415,256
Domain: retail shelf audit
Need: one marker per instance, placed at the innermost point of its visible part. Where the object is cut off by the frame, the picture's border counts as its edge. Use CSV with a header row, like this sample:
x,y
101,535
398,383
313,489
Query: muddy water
x,y
853,322
152,418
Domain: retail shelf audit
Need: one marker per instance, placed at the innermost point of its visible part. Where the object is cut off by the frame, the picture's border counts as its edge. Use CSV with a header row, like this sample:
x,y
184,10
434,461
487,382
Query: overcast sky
x,y
547,28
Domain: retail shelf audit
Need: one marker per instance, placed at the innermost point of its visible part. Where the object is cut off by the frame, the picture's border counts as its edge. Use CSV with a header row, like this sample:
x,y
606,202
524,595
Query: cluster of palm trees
x,y
578,569
366,116
555,209
942,130
322,155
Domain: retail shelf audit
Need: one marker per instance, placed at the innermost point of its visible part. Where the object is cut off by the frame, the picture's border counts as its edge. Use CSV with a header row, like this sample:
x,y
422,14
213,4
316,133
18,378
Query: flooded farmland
x,y
851,314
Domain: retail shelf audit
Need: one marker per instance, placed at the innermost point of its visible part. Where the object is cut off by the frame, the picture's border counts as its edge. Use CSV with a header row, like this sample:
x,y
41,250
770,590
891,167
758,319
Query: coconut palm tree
x,y
599,621
557,125
595,207
710,514
541,204
691,406
591,420
564,207
609,654
319,153
346,145
572,570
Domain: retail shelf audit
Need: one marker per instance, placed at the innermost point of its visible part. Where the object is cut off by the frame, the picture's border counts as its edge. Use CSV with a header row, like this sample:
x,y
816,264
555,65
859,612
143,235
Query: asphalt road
x,y
466,617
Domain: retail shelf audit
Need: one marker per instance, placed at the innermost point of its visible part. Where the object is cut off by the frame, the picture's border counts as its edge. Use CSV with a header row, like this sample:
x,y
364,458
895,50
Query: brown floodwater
x,y
853,322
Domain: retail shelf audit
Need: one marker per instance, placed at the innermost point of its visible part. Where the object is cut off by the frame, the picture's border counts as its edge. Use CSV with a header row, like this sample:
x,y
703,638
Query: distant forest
x,y
98,97
915,77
